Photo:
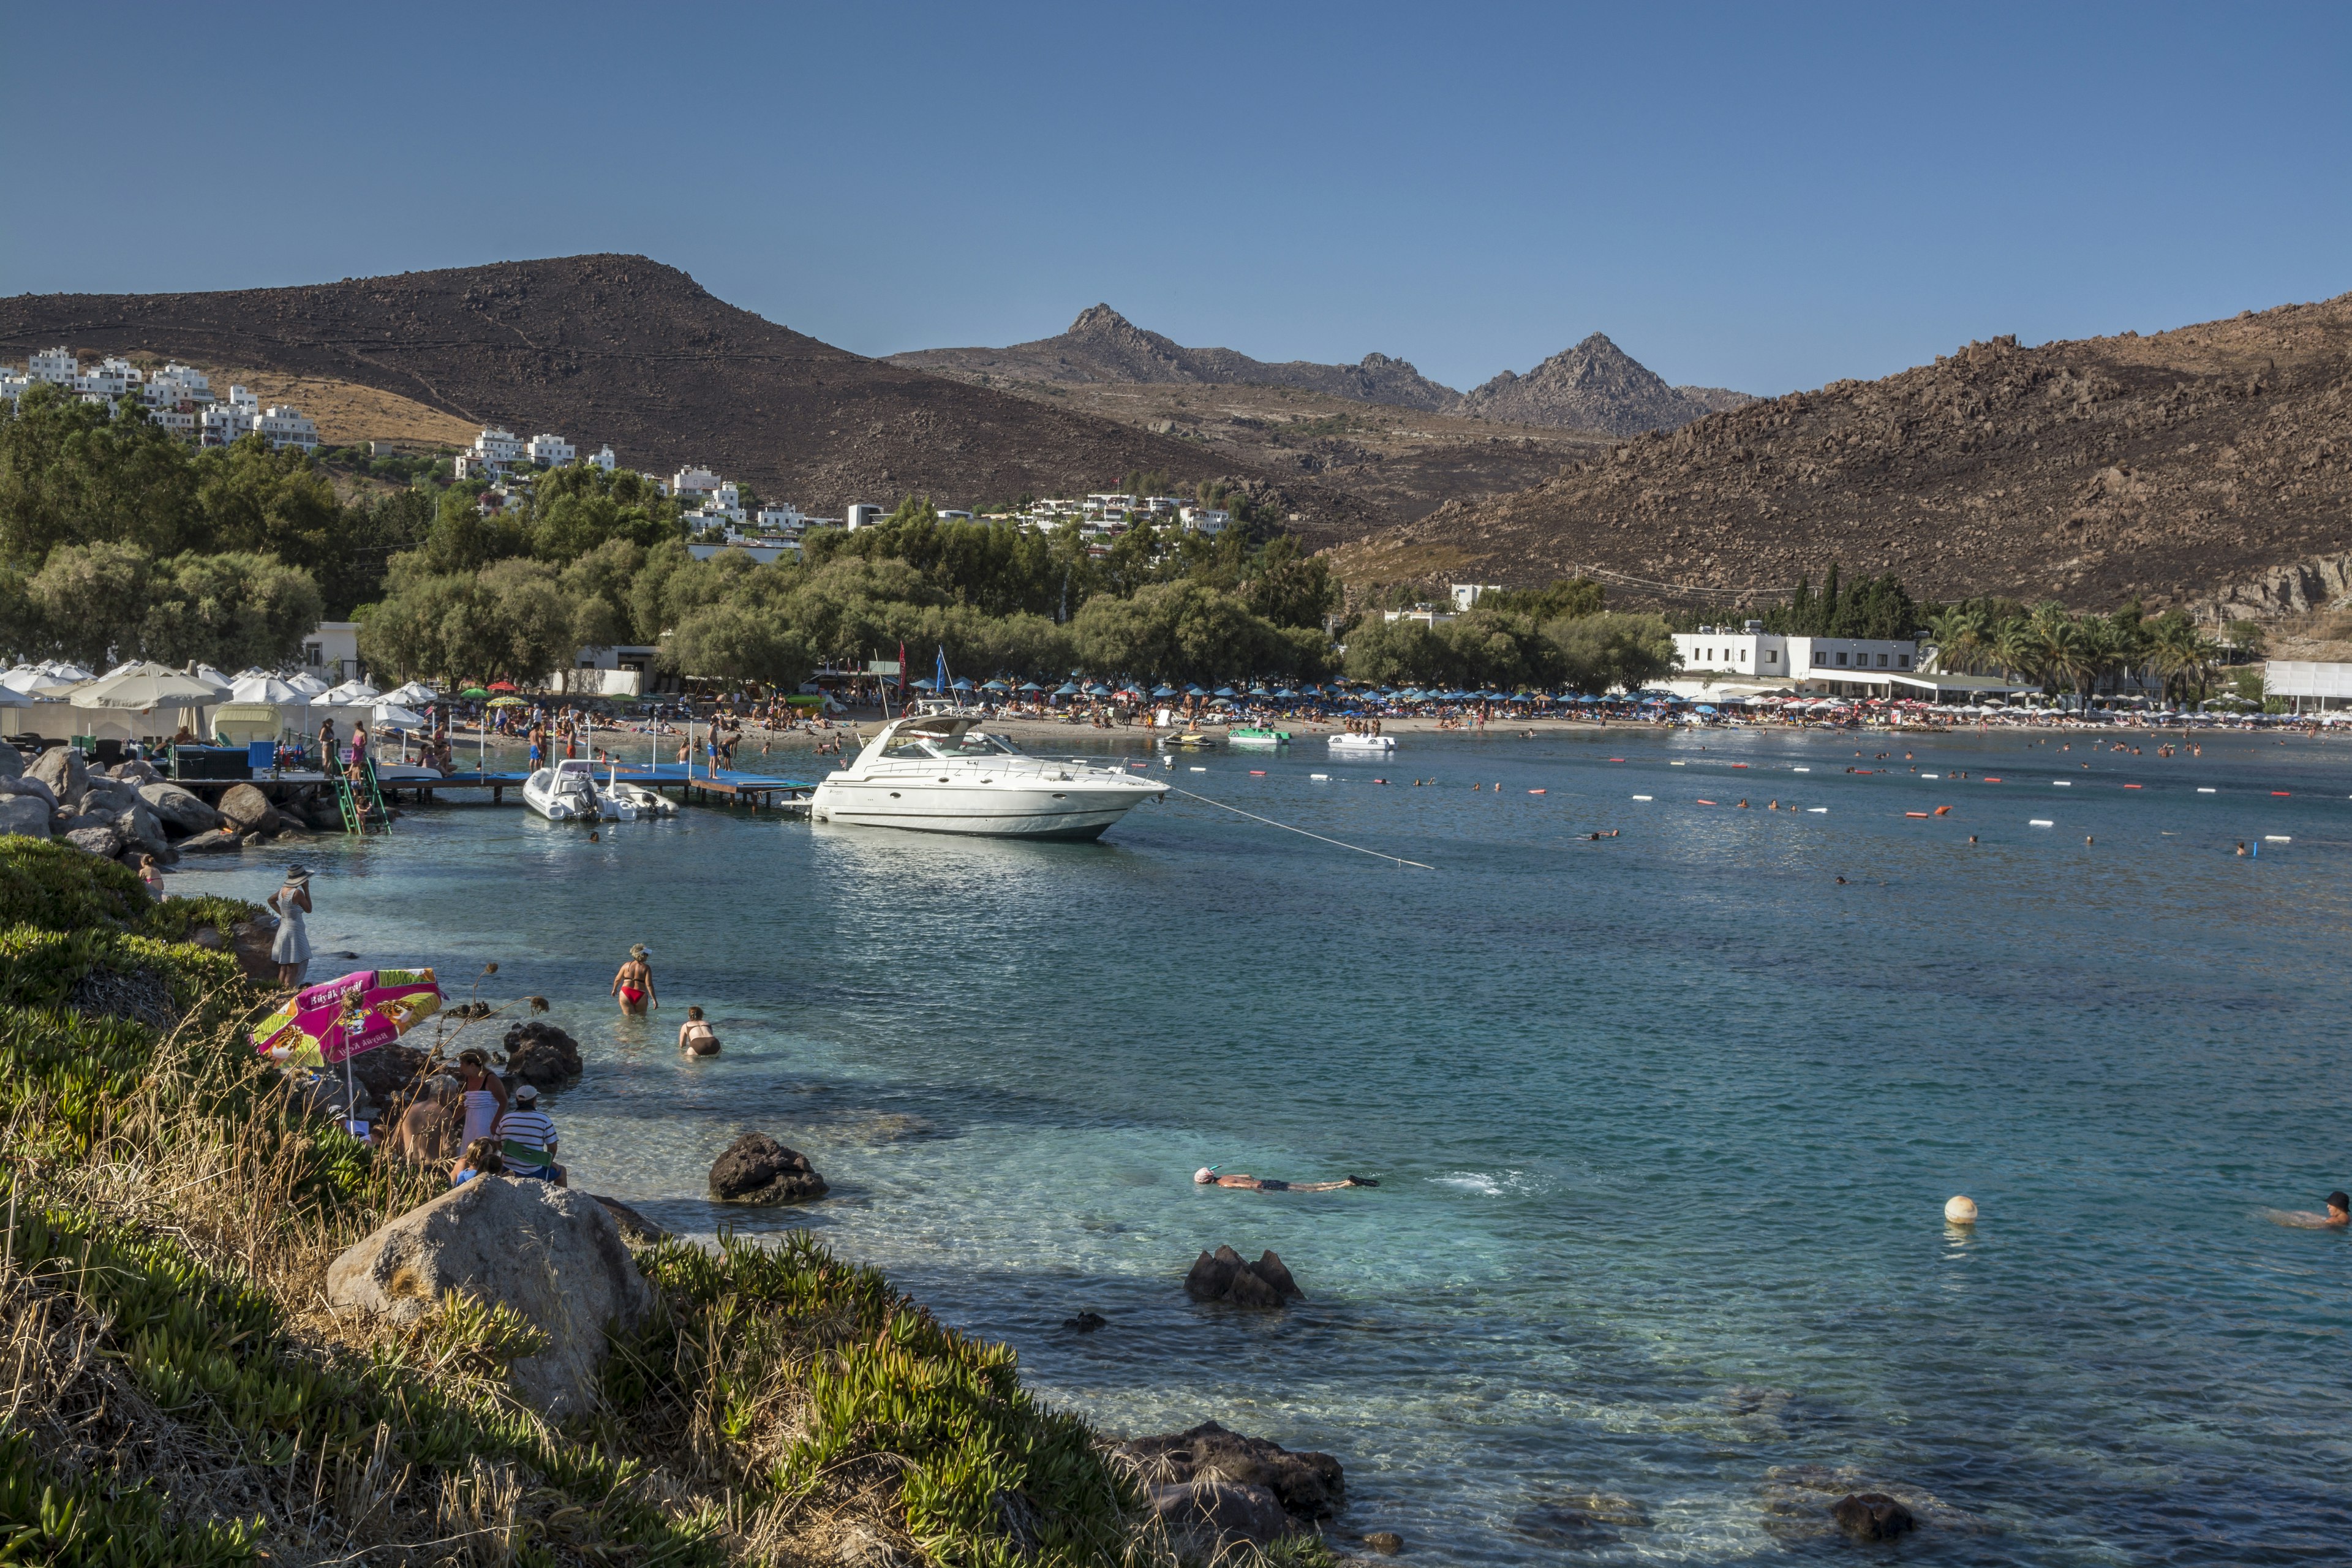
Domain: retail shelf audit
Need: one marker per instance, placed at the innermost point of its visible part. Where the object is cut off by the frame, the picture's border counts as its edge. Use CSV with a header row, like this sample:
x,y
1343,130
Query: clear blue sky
x,y
1755,196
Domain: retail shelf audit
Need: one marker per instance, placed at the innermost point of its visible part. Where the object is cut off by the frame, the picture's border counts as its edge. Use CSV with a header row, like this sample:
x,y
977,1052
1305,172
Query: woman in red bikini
x,y
634,983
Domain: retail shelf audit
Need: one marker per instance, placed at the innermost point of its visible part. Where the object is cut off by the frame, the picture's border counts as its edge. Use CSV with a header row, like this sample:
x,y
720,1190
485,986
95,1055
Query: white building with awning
x,y
2310,684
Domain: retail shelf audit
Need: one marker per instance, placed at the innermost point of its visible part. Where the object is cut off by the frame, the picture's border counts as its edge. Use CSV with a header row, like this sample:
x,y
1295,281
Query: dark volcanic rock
x,y
542,1055
1310,1485
1873,1516
756,1168
1225,1276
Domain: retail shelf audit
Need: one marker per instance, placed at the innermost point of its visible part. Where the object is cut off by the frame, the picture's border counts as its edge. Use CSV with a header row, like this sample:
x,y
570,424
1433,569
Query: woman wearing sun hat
x,y
291,951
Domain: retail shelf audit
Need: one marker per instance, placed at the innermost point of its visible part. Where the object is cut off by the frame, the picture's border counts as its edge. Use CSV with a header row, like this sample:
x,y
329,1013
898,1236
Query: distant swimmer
x,y
2337,1217
1206,1176
1841,881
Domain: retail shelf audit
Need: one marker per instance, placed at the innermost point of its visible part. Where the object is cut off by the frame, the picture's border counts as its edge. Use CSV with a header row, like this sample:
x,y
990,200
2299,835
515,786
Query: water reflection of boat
x,y
940,773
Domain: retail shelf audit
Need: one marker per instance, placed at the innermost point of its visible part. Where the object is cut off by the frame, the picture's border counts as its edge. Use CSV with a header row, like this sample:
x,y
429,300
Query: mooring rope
x,y
1270,821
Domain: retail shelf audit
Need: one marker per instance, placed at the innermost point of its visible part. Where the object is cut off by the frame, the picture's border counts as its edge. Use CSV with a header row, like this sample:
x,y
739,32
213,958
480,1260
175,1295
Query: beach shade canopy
x,y
960,683
416,694
143,686
395,714
508,701
350,692
1701,707
1097,690
1164,691
9,698
473,693
502,686
346,1016
1067,688
1031,685
1224,691
1195,691
996,686
308,684
926,684
30,679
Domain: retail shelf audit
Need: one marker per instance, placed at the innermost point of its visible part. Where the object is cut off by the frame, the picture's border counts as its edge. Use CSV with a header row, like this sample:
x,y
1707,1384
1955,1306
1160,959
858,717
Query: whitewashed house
x,y
57,366
692,481
553,451
604,459
281,424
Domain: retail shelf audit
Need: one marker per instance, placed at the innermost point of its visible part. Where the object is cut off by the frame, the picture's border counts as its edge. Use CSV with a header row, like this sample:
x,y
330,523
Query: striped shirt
x,y
526,1136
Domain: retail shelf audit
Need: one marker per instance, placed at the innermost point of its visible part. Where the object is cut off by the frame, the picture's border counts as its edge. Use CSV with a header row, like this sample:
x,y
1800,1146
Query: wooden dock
x,y
757,791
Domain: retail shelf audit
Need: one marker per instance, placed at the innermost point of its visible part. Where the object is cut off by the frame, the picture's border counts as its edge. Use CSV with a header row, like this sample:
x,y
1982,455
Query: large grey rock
x,y
219,841
136,771
12,761
249,809
32,788
179,808
756,1168
1871,1516
63,769
1211,1521
141,828
540,1055
551,1254
25,814
101,838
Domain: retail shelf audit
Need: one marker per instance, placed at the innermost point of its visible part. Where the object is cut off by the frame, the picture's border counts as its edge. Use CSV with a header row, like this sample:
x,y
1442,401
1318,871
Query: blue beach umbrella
x,y
1067,688
963,684
1195,691
1031,685
1164,691
1224,691
1097,690
925,685
992,686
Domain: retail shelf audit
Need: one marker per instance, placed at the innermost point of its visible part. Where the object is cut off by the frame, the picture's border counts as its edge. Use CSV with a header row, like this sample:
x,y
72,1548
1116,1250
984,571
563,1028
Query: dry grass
x,y
346,413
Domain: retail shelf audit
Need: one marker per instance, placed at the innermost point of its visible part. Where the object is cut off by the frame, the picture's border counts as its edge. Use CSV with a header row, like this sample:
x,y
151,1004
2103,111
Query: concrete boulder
x,y
551,1254
27,815
1225,1276
756,1168
249,809
63,769
178,809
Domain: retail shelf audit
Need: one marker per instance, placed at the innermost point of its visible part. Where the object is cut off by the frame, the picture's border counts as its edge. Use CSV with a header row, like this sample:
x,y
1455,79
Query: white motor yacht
x,y
941,773
565,792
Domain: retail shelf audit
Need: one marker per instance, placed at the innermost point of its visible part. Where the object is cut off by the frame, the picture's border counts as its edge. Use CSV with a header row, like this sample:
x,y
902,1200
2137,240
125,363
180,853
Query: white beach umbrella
x,y
144,686
395,714
416,694
351,692
256,688
211,677
306,683
29,679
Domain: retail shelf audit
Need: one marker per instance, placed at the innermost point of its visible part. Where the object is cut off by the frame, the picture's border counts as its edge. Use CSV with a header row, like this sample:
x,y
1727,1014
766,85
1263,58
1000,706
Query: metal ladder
x,y
376,818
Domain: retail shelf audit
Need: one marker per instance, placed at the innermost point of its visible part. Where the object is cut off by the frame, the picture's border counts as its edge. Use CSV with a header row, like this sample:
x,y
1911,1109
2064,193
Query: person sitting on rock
x,y
527,1139
428,1129
481,1159
1206,1176
695,1036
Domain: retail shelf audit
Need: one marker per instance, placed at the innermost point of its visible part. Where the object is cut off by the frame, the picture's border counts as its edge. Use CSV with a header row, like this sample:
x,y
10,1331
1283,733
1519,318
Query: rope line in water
x,y
1270,821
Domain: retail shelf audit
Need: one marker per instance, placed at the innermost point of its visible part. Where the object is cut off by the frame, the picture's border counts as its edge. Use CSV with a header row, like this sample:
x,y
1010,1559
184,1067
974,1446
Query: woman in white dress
x,y
291,951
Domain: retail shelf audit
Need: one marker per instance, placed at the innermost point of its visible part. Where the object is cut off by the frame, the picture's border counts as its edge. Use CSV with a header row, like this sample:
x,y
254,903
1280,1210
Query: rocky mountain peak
x,y
1593,385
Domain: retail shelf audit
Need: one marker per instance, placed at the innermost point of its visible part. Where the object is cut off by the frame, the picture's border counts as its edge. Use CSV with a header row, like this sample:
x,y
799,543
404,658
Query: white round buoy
x,y
1961,1210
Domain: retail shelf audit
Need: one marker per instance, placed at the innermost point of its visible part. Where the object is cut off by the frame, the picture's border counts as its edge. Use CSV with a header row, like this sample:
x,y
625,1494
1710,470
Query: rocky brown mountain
x,y
624,349
1103,345
1596,385
2093,471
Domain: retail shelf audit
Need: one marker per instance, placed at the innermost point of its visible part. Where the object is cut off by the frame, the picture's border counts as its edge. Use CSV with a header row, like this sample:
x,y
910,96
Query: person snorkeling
x,y
1207,1176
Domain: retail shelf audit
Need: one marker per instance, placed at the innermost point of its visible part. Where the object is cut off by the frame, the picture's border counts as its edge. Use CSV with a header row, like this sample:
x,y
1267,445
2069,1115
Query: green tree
x,y
77,473
1290,587
232,611
1598,653
91,600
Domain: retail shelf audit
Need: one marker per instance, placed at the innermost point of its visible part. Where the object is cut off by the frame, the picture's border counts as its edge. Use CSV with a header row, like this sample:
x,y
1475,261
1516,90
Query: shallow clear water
x,y
1664,1124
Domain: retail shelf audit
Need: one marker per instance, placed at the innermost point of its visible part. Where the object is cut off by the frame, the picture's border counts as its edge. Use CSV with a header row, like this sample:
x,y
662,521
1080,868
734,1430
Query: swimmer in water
x,y
1206,1176
2337,1217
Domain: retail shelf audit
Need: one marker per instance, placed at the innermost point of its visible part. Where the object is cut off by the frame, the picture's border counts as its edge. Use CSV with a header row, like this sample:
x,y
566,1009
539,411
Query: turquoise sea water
x,y
1664,1124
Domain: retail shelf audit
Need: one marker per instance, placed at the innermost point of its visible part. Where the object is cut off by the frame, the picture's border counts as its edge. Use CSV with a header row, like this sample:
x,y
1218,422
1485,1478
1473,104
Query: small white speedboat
x,y
1346,744
634,803
565,792
940,773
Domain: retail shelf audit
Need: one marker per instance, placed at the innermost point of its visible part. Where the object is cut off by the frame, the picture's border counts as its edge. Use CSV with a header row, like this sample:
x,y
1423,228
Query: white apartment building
x,y
112,379
1109,508
603,459
1209,520
497,449
283,426
692,481
953,516
782,520
1835,667
57,366
554,451
860,515
13,384
1467,595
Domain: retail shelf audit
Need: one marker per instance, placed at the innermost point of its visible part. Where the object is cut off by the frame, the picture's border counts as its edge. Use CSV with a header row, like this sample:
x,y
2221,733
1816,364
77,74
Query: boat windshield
x,y
974,743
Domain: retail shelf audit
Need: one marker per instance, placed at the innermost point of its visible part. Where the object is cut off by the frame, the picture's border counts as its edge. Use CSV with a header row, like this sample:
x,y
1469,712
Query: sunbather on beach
x,y
1207,1176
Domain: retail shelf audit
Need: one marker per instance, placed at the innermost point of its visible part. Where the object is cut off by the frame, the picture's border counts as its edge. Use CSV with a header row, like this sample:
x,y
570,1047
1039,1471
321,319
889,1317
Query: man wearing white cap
x,y
527,1139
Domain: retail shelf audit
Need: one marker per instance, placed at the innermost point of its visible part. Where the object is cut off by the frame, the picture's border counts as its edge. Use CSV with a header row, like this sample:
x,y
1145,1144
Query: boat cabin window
x,y
973,743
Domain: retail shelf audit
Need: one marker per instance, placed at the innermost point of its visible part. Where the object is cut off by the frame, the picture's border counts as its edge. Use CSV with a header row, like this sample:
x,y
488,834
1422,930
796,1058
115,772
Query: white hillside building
x,y
553,451
57,366
283,426
604,459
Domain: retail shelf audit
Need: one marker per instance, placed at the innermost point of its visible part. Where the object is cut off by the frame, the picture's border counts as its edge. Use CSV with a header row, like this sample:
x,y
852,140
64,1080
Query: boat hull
x,y
976,813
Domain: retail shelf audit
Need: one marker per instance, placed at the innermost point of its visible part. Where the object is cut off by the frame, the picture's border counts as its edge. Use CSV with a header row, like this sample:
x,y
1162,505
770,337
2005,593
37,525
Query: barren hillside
x,y
623,350
2166,466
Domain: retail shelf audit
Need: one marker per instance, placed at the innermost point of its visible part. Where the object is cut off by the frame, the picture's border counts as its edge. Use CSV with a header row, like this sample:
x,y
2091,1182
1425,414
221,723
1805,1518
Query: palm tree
x,y
2074,653
2019,651
1963,641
